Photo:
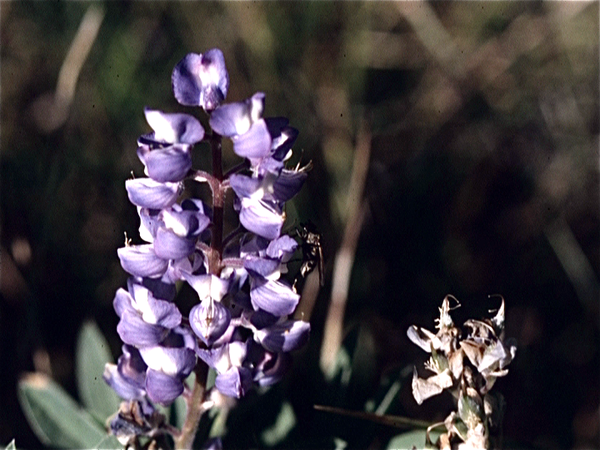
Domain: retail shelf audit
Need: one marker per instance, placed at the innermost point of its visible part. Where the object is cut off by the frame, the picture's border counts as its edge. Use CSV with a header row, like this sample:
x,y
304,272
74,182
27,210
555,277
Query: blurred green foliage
x,y
482,179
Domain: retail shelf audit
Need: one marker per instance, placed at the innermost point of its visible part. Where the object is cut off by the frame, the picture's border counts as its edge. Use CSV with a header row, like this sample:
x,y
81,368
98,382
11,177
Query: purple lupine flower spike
x,y
240,325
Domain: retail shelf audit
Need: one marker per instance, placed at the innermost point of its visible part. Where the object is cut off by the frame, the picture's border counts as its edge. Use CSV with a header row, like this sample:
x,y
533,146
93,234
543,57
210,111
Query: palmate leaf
x,y
91,355
54,416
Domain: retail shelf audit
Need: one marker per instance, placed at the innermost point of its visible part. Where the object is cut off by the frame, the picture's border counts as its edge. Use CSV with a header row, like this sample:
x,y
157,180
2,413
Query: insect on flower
x,y
312,251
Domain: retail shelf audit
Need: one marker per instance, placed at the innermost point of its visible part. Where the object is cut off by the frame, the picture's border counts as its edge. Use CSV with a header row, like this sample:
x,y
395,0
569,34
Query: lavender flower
x,y
240,326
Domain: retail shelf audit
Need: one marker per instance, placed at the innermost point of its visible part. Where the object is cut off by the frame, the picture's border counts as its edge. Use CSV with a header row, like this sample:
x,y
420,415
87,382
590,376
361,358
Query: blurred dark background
x,y
475,125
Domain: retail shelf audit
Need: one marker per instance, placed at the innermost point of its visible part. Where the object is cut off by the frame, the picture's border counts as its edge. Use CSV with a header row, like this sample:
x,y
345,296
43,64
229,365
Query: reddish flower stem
x,y
195,408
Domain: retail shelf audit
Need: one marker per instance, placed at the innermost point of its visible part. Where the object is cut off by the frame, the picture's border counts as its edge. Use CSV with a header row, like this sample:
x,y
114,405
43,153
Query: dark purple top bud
x,y
201,80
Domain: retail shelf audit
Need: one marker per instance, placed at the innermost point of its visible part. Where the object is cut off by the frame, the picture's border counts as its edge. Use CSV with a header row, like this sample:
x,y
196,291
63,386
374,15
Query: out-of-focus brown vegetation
x,y
480,122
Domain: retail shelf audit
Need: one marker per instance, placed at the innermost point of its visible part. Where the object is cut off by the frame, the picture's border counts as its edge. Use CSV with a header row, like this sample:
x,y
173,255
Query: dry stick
x,y
389,420
78,53
344,259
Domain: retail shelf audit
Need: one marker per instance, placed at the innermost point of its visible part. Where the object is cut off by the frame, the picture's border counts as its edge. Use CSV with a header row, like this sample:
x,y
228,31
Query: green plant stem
x,y
195,405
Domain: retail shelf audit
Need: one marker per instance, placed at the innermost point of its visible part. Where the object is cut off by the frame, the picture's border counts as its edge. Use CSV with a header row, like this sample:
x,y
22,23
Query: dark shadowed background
x,y
455,151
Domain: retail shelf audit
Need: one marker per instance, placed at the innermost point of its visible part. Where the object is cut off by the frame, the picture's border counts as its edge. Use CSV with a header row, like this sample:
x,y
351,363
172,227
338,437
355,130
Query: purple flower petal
x,y
235,382
174,128
265,166
161,288
168,245
201,80
235,119
282,248
185,224
213,444
262,218
153,311
149,223
284,337
261,319
208,286
170,164
141,261
262,266
244,186
255,143
122,302
269,367
274,297
209,320
134,331
132,367
173,361
194,204
163,388
123,387
288,184
151,194
215,357
282,136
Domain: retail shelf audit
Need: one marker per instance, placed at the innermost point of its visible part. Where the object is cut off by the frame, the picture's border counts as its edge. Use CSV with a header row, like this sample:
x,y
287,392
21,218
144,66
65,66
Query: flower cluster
x,y
240,326
467,363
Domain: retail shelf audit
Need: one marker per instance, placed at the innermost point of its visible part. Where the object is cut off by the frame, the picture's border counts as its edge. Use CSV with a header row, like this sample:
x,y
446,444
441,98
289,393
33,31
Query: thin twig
x,y
344,259
70,70
392,421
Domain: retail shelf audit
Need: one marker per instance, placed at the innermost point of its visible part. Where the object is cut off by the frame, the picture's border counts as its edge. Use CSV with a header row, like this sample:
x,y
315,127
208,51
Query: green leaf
x,y
11,445
414,438
54,416
91,355
178,409
286,420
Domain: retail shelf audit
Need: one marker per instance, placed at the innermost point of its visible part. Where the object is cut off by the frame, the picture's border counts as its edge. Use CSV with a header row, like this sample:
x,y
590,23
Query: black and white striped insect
x,y
312,251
